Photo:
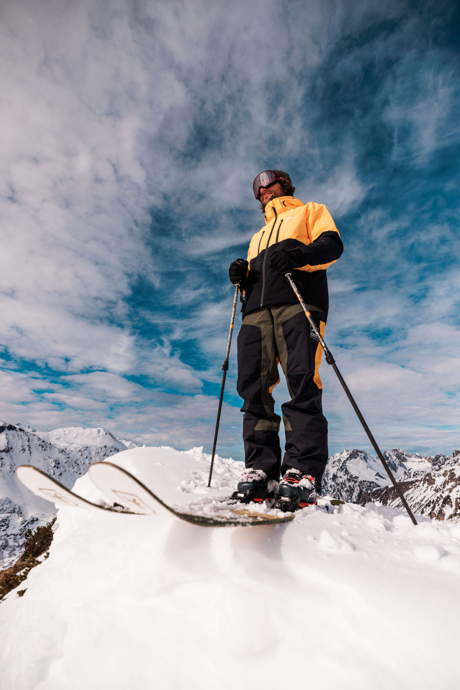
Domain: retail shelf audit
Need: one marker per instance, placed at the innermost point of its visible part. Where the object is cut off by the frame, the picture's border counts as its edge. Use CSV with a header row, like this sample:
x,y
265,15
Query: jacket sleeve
x,y
325,245
325,250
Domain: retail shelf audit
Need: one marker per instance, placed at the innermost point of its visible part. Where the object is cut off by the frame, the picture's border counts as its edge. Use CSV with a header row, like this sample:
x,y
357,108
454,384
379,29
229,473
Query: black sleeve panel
x,y
328,247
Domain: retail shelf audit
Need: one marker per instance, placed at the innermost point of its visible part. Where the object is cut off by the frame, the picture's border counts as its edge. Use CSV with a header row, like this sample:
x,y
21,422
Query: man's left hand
x,y
282,260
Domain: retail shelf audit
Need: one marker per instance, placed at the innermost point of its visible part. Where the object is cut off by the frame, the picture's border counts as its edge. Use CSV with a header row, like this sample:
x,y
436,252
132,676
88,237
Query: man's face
x,y
272,191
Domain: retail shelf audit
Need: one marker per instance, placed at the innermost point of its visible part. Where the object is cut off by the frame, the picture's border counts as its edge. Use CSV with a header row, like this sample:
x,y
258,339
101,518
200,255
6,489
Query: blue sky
x,y
131,133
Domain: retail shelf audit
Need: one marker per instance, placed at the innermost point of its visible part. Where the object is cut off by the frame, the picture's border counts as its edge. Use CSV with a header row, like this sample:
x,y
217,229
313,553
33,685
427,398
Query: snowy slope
x,y
64,453
360,599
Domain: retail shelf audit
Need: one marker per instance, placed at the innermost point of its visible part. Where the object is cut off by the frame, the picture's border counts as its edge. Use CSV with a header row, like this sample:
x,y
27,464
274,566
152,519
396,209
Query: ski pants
x,y
268,336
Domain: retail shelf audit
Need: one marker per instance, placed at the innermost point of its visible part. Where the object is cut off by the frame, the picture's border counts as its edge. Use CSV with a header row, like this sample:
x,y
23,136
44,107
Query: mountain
x,y
351,474
431,484
64,453
432,491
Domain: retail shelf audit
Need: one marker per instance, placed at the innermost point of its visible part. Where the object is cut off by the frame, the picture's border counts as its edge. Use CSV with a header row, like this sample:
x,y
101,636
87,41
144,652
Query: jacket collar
x,y
281,204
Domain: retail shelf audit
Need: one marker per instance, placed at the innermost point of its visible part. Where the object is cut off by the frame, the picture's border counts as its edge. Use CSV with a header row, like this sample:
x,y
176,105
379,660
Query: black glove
x,y
237,271
282,260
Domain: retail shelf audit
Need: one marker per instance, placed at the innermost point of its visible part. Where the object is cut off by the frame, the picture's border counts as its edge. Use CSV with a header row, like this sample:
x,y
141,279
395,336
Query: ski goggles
x,y
265,179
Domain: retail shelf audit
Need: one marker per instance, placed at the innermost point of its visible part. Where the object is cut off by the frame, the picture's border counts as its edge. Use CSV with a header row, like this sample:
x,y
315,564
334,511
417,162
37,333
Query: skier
x,y
303,239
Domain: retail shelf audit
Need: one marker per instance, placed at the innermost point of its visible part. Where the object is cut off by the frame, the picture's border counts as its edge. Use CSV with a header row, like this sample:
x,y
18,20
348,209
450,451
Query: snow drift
x,y
357,599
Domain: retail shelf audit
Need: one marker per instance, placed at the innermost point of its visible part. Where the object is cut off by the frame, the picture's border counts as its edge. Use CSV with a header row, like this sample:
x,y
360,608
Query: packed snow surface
x,y
355,599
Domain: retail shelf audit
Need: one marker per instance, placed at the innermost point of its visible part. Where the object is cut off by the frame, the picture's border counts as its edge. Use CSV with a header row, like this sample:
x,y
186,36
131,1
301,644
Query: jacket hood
x,y
281,204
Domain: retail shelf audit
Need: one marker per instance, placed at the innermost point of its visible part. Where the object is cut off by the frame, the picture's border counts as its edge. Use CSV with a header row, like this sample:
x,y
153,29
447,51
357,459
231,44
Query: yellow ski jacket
x,y
311,238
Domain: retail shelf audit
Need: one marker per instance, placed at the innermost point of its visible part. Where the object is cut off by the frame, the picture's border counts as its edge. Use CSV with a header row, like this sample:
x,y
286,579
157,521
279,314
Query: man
x,y
301,239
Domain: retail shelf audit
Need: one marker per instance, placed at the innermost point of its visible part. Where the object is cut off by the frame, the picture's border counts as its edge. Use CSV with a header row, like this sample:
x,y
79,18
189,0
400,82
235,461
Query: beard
x,y
273,195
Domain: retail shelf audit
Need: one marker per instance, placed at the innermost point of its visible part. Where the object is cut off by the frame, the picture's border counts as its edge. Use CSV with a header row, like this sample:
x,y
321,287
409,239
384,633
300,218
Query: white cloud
x,y
125,408
110,109
421,99
73,199
341,191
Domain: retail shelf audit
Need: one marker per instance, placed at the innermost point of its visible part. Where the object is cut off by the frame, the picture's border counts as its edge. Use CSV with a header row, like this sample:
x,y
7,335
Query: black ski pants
x,y
268,336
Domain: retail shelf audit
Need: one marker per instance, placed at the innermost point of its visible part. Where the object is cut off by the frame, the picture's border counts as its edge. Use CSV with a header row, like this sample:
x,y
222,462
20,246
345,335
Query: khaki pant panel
x,y
280,316
287,423
269,368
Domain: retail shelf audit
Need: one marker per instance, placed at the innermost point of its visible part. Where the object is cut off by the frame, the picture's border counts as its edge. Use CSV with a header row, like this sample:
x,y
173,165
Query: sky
x,y
131,133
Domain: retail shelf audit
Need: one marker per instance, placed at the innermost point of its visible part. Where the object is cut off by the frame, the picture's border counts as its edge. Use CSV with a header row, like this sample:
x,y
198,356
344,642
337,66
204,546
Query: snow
x,y
3,442
369,471
81,436
357,599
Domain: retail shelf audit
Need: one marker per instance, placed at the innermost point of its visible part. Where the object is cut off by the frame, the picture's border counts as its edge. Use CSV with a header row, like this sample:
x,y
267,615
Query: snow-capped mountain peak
x,y
82,436
349,474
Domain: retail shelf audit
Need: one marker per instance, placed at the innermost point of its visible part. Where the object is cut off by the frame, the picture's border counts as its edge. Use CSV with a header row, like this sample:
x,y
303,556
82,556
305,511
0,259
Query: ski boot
x,y
296,490
254,485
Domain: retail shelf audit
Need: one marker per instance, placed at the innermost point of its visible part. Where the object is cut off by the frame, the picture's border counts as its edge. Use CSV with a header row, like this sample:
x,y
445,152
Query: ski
x,y
121,487
48,488
133,498
126,495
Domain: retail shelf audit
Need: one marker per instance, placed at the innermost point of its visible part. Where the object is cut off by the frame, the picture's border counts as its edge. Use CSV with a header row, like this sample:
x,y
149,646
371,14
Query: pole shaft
x,y
330,360
219,410
225,369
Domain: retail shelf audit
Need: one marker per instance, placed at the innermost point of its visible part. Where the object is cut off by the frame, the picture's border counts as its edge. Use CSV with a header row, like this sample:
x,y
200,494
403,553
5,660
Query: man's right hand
x,y
237,271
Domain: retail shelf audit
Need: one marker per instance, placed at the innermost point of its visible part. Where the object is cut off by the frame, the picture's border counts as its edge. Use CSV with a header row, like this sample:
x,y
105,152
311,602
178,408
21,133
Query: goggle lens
x,y
264,179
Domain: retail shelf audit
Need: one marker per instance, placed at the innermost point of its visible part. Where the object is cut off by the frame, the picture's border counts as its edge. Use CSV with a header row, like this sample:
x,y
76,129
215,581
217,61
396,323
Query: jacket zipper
x,y
278,233
265,259
260,242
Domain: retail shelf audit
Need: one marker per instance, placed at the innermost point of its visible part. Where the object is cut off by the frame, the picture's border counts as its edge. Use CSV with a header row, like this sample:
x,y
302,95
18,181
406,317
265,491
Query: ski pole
x,y
330,360
224,369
